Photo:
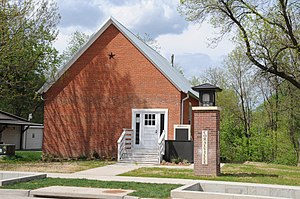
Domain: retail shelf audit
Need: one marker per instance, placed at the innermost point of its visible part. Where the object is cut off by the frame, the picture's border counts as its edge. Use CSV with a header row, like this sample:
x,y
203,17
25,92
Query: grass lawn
x,y
23,156
145,190
247,172
31,161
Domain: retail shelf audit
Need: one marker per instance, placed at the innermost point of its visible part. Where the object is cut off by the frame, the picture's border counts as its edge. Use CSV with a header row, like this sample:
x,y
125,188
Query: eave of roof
x,y
13,116
16,120
162,64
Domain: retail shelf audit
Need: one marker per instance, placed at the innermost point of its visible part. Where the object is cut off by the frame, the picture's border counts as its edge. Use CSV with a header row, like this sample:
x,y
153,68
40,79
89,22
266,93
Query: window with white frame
x,y
182,132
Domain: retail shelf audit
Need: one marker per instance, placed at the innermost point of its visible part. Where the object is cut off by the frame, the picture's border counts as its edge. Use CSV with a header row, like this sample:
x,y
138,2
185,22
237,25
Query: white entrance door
x,y
150,128
148,125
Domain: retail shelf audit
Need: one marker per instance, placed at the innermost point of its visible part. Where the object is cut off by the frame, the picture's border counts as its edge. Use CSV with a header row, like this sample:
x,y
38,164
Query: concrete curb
x,y
131,197
14,192
13,177
233,190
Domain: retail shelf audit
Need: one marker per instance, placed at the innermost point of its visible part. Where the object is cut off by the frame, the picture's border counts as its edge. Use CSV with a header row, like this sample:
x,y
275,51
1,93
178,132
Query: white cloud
x,y
192,51
194,64
79,13
152,17
140,16
160,19
195,39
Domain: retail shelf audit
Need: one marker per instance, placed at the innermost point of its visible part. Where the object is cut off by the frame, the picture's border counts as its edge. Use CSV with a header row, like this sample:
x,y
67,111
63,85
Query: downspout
x,y
22,141
21,137
182,106
42,97
1,131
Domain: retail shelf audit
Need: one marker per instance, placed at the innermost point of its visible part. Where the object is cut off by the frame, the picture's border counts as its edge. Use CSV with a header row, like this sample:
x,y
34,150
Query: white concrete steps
x,y
142,156
139,161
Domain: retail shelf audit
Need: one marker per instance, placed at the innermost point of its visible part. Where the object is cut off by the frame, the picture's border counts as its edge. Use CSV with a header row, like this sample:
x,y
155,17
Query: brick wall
x,y
87,108
207,120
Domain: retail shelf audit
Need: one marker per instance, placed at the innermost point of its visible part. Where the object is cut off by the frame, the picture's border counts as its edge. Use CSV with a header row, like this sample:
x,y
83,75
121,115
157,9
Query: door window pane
x,y
149,119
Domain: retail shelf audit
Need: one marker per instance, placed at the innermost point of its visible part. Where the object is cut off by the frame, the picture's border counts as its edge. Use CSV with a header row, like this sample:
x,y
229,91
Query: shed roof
x,y
161,63
10,119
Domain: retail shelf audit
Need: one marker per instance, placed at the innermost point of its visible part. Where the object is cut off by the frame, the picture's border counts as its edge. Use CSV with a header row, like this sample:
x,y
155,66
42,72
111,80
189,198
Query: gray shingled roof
x,y
161,63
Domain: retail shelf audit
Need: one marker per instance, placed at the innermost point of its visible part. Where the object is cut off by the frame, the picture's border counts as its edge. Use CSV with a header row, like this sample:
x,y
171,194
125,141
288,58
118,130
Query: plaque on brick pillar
x,y
206,130
204,147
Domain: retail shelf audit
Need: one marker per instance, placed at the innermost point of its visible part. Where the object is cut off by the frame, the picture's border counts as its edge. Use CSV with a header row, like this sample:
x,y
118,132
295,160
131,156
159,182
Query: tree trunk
x,y
292,125
275,124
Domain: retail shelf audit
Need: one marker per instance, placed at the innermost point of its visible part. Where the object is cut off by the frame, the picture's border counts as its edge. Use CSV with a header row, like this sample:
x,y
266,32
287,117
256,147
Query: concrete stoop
x,y
79,192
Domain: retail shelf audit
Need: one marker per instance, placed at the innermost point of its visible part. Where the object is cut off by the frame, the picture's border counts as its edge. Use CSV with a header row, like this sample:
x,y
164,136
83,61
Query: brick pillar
x,y
206,141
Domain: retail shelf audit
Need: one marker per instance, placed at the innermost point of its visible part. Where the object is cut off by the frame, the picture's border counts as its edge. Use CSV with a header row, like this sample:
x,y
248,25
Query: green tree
x,y
150,41
216,76
231,127
77,39
269,30
241,79
268,113
27,56
290,117
195,81
278,121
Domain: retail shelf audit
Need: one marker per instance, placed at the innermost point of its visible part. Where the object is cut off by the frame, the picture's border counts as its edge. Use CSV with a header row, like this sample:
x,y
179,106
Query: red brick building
x,y
114,81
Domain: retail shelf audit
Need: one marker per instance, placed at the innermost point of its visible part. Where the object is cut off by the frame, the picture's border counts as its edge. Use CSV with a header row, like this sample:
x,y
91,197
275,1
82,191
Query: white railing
x,y
161,146
125,143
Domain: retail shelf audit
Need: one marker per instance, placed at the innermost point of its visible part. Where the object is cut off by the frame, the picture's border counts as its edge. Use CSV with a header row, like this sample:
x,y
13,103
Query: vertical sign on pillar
x,y
204,147
218,148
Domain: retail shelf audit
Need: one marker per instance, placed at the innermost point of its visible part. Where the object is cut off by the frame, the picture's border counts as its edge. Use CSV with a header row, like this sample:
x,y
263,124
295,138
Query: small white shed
x,y
33,138
20,132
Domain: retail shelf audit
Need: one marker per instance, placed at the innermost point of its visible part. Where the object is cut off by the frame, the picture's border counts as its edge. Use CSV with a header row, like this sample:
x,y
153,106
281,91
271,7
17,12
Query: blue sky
x,y
159,18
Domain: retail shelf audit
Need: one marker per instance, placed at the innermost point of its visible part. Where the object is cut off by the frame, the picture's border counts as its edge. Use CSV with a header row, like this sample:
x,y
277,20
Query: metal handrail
x,y
161,146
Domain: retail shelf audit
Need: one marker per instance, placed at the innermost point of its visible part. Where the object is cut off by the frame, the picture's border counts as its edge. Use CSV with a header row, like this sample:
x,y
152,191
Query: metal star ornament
x,y
111,55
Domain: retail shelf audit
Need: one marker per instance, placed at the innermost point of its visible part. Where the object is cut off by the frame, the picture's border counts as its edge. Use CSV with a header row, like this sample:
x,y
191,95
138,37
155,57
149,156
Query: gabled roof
x,y
10,119
161,63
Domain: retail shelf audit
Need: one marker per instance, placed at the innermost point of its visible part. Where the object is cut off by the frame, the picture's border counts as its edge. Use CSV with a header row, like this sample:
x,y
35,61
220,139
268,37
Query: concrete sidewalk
x,y
110,170
119,168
